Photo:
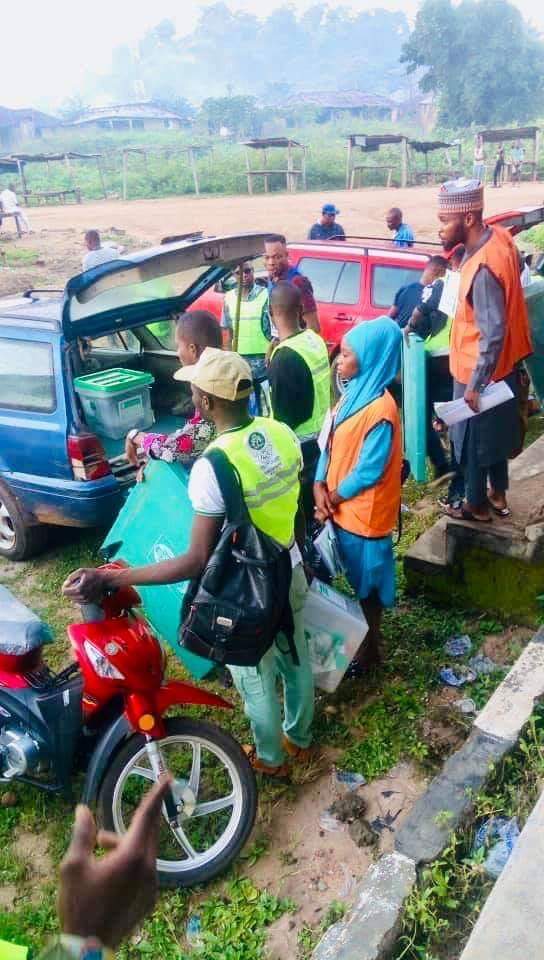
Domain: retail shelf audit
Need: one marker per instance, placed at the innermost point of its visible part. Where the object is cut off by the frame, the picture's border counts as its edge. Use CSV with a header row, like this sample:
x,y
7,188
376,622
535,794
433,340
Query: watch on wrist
x,y
132,434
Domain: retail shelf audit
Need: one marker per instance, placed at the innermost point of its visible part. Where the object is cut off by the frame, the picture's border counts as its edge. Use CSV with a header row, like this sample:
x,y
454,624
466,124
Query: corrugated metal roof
x,y
144,109
266,142
12,118
340,100
509,133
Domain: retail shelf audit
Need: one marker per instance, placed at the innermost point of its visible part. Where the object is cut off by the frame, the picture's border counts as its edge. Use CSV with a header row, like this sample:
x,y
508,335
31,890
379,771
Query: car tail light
x,y
87,457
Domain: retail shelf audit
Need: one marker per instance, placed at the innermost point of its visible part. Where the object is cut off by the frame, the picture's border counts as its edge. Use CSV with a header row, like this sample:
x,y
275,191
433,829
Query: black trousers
x,y
477,477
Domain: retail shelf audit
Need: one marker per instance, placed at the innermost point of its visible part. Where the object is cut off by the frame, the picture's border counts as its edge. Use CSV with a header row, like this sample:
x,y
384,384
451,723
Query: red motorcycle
x,y
106,714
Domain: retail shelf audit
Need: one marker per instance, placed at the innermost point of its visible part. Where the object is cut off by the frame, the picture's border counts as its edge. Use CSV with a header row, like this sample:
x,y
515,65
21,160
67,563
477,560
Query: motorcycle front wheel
x,y
212,781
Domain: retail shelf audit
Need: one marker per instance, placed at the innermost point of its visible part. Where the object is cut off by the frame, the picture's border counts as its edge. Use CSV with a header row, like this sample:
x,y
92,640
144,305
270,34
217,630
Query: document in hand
x,y
456,410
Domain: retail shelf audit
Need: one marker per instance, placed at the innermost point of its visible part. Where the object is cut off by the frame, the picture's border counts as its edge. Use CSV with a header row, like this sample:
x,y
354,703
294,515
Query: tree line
x,y
480,59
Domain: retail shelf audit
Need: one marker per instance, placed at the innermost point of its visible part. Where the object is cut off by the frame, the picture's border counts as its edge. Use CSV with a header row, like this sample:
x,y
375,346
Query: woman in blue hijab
x,y
358,477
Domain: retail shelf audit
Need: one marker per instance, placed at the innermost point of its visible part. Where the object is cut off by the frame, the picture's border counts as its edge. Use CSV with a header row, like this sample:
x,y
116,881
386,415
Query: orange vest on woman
x,y
373,512
499,255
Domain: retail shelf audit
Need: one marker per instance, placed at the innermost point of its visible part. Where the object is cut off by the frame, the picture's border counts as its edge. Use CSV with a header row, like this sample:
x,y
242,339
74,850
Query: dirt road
x,y
57,230
362,211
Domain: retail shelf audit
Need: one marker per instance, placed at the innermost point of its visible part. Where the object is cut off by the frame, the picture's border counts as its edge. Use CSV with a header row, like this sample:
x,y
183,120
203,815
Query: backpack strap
x,y
230,486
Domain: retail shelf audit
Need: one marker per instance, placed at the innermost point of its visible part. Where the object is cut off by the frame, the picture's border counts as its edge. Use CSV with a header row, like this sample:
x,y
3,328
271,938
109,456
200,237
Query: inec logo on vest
x,y
257,440
263,452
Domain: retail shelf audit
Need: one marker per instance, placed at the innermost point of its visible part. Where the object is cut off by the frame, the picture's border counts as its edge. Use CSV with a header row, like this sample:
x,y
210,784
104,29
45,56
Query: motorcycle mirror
x,y
110,551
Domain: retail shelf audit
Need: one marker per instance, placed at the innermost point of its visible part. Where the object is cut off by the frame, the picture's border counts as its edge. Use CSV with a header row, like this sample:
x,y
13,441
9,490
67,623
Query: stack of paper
x,y
454,411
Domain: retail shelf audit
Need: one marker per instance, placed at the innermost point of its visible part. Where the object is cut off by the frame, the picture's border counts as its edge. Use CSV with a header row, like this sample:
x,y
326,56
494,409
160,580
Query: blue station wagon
x,y
54,469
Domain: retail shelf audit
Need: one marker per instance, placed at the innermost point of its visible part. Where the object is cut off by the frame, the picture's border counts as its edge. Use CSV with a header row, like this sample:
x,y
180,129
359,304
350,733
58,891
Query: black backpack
x,y
233,613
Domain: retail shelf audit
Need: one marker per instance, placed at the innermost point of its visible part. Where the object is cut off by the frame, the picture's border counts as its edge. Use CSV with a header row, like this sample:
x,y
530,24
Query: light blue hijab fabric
x,y
377,346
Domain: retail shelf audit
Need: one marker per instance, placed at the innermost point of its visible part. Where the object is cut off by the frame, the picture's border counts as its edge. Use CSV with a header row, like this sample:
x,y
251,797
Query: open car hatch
x,y
145,286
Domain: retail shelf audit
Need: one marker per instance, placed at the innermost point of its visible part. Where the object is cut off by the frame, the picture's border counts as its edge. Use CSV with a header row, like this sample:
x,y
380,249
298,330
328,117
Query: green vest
x,y
268,460
161,329
251,339
311,347
439,345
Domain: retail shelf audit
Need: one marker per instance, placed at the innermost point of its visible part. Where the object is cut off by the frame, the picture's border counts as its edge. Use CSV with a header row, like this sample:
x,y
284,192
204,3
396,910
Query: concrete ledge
x,y
448,799
511,705
373,923
372,926
511,923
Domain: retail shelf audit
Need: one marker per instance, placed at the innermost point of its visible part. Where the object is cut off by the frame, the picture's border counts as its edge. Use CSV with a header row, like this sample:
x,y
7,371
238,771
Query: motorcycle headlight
x,y
102,666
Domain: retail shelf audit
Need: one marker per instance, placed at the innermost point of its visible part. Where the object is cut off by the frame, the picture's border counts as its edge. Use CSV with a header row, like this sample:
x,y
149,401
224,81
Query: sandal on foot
x,y
280,772
500,511
465,514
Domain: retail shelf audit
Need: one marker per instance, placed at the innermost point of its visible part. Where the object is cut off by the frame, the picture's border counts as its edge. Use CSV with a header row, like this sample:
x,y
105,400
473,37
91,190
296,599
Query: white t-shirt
x,y
103,255
9,201
206,497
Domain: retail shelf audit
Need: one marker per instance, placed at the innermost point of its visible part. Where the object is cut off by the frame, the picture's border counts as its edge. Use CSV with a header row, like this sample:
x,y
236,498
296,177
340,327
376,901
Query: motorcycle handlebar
x,y
91,612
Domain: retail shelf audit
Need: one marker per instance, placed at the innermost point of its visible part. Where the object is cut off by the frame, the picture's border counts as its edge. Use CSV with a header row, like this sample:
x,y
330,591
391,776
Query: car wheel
x,y
19,540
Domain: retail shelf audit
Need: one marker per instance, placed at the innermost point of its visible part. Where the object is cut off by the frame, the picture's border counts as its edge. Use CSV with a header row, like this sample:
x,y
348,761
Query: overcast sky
x,y
52,45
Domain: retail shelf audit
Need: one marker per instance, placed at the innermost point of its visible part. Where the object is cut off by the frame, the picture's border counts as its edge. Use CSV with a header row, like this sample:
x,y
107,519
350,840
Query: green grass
x,y
14,256
222,170
442,910
374,723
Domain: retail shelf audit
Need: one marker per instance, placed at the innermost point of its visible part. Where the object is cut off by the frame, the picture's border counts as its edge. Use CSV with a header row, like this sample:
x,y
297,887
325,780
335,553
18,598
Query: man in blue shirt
x,y
406,300
404,235
327,228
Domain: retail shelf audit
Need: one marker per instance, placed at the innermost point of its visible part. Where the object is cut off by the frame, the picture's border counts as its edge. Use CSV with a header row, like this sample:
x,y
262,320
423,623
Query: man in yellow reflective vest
x,y
266,455
300,380
254,327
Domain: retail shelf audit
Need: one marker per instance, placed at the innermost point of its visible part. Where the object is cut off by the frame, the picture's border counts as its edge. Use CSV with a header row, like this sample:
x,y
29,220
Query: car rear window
x,y
334,281
27,380
387,280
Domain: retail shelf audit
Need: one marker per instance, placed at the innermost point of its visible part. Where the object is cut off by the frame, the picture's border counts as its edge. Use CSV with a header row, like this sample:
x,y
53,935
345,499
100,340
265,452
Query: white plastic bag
x,y
335,628
327,547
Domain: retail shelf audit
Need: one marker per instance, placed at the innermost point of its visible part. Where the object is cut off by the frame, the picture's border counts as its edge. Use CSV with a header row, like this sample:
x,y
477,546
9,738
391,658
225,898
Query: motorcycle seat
x,y
21,630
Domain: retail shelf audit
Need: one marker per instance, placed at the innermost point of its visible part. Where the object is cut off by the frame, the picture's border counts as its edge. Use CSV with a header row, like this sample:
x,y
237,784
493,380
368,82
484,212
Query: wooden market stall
x,y
509,135
425,147
191,152
290,172
371,143
62,196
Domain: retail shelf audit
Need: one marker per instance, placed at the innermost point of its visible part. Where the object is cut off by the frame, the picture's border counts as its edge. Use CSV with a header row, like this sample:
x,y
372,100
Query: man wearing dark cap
x,y
489,340
327,228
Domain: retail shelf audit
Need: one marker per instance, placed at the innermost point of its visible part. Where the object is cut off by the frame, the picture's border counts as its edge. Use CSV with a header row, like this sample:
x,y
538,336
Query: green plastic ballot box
x,y
414,403
155,524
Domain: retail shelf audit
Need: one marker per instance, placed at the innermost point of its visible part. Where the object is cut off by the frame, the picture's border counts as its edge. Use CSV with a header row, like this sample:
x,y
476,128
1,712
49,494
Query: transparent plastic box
x,y
116,401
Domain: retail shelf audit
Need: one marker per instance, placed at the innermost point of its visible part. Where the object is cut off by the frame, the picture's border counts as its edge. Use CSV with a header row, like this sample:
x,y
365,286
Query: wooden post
x,y
249,177
289,178
48,173
265,166
236,321
192,161
124,175
404,162
21,169
536,153
348,166
303,162
101,175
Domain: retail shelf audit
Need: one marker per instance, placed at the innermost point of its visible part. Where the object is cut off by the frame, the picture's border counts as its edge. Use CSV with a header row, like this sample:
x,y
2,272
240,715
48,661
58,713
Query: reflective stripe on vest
x,y
267,457
499,255
251,339
373,512
311,347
